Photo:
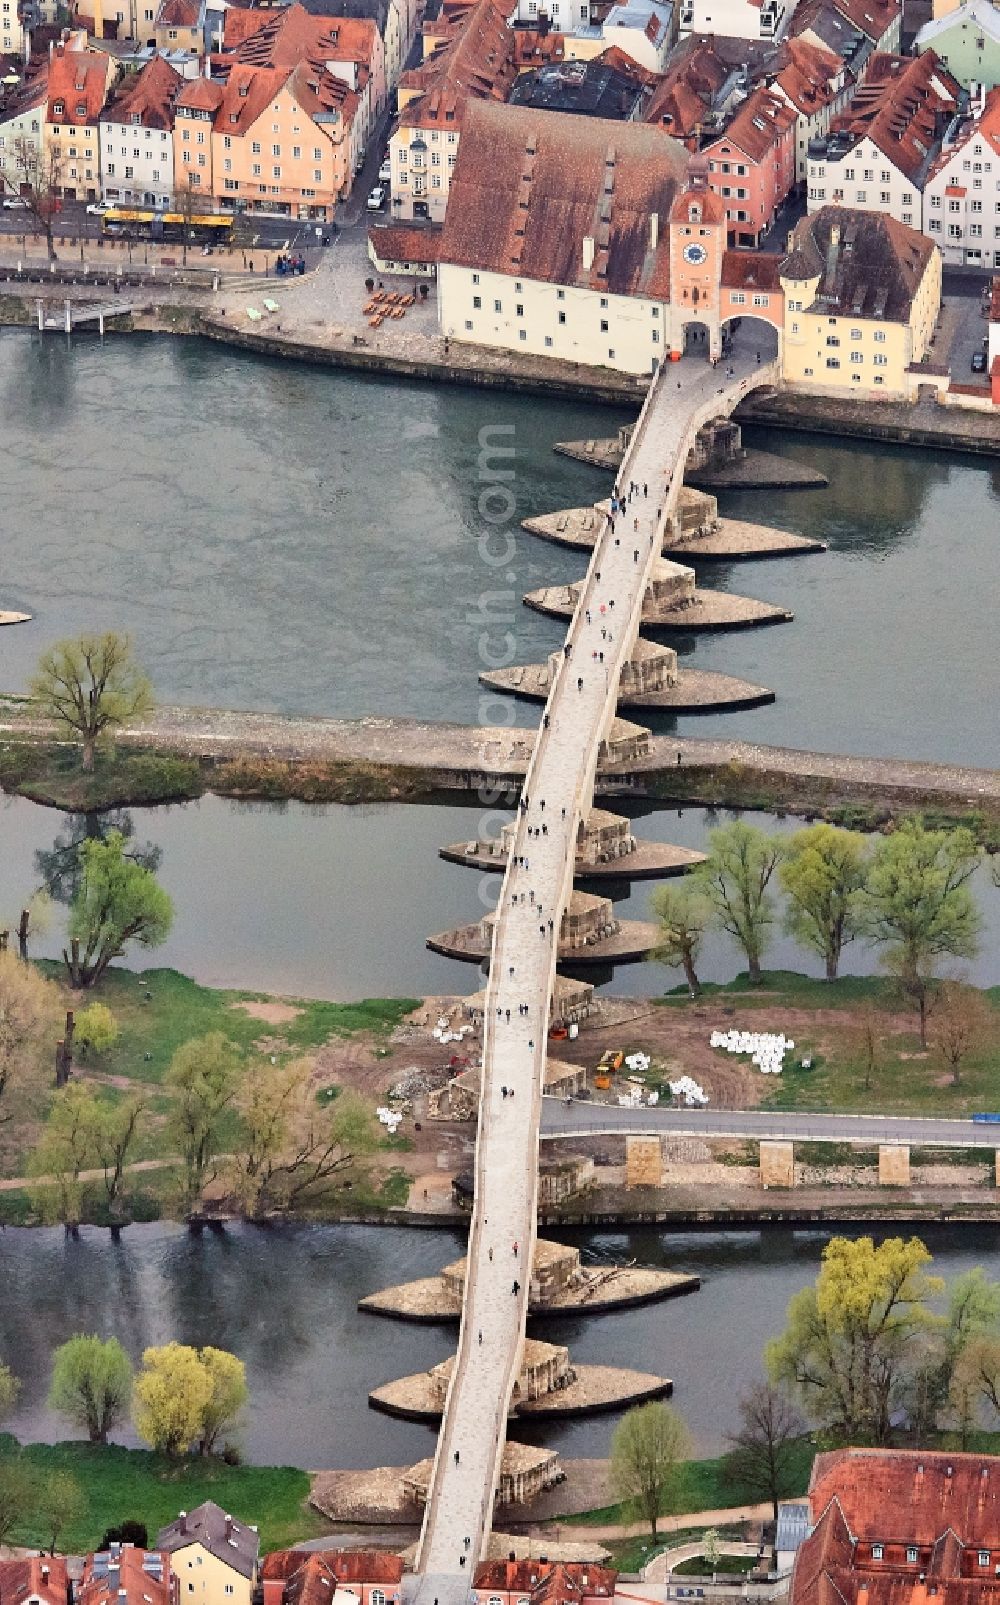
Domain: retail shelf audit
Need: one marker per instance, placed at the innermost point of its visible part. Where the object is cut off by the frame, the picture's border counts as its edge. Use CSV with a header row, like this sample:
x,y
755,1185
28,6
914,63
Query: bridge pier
x,y
643,1162
777,1164
69,317
894,1164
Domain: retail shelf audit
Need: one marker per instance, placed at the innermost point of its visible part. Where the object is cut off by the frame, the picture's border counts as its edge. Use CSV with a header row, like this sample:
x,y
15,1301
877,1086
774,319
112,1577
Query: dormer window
x,y
244,91
876,1551
136,118
58,108
81,111
911,1554
984,1557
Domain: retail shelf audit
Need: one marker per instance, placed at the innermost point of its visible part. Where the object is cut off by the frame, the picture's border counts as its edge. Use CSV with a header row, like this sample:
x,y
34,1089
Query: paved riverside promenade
x,y
767,1125
557,794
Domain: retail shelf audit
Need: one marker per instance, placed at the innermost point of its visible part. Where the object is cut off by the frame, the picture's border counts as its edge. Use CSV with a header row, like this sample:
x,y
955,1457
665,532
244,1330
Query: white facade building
x,y
742,19
962,197
879,154
136,142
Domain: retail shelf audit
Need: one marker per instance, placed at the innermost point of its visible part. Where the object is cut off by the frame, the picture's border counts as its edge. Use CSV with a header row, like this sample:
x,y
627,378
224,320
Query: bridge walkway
x,y
557,792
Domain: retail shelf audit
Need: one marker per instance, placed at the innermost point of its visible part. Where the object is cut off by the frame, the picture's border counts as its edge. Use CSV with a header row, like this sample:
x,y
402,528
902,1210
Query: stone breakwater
x,y
462,758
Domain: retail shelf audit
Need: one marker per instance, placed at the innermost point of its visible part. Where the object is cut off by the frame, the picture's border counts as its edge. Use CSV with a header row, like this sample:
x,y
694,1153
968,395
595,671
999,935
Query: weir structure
x,y
557,792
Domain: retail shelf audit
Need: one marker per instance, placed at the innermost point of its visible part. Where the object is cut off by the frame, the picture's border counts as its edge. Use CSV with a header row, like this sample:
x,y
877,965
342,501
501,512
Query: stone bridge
x,y
557,794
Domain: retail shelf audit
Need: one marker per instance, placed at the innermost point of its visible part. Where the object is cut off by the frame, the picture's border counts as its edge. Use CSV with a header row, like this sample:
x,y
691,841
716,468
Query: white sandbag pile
x,y
765,1049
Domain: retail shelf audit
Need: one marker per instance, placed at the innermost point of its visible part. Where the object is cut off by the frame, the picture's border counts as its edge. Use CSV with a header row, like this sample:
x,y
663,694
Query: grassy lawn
x,y
908,1080
728,1566
121,1484
632,1554
157,1010
698,1485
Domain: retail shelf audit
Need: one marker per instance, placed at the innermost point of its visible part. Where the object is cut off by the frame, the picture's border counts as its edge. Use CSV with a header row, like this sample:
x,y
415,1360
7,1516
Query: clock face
x,y
695,254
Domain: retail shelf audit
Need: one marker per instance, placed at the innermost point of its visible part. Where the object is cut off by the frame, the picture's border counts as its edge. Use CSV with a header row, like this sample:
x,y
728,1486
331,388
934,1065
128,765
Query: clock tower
x,y
697,245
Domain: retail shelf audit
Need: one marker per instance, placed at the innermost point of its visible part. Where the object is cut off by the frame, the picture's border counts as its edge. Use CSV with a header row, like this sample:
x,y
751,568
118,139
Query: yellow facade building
x,y
214,1558
862,296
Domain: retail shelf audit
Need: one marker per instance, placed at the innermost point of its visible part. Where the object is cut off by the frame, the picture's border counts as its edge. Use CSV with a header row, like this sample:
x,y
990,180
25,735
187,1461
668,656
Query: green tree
x,y
91,686
975,1383
64,1150
850,1339
712,1548
59,1506
288,1146
96,1028
169,1398
649,1444
918,905
17,1494
684,913
184,1397
117,902
763,1459
202,1076
973,1309
10,1387
736,879
116,1131
229,1394
822,873
91,1384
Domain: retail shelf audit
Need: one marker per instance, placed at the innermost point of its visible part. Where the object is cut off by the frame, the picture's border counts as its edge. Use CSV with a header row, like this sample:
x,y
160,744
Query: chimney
x,y
832,257
45,1574
182,1522
229,1526
588,252
654,230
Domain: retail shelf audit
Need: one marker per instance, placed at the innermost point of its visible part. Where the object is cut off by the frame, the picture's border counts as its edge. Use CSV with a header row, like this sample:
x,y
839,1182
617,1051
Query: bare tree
x,y
962,1023
764,1456
868,1041
189,201
34,172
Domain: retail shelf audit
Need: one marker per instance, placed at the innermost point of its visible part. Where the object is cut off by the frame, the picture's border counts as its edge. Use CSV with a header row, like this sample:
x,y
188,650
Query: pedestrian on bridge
x,y
515,1248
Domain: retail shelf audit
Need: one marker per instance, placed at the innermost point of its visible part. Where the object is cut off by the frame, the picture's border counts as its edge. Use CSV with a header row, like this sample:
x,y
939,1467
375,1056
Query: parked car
x,y
14,203
385,171
979,362
376,199
98,208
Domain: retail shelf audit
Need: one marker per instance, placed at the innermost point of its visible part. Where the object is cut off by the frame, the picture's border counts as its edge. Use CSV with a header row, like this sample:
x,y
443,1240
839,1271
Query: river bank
x,y
421,358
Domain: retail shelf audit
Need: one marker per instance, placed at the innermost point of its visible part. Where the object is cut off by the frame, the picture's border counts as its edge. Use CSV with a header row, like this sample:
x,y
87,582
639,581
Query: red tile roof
x,y
545,1582
760,123
239,24
898,107
873,268
291,33
178,14
125,1575
751,270
534,49
807,75
932,1514
78,83
147,98
405,242
202,94
311,1578
39,1576
530,187
247,94
476,64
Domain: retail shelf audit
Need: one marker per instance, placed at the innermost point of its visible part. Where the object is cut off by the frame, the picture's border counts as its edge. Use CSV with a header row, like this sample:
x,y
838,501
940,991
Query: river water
x,y
336,902
293,539
285,1301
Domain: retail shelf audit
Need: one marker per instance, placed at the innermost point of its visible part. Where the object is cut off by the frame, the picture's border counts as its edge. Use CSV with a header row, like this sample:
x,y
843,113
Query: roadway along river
x,y
282,537
285,1300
